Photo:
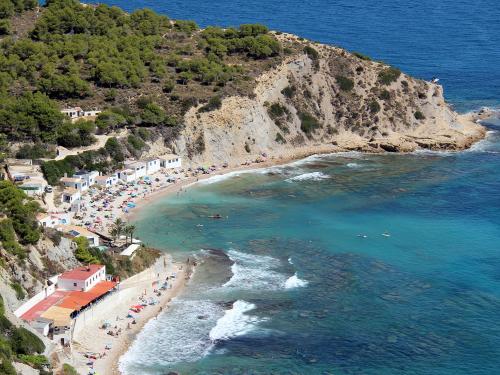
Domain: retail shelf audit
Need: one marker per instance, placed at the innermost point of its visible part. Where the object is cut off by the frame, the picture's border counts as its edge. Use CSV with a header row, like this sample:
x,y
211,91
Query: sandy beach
x,y
93,346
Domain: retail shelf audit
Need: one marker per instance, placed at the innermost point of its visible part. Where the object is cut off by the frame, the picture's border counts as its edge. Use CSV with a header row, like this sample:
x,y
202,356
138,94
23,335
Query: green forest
x,y
99,56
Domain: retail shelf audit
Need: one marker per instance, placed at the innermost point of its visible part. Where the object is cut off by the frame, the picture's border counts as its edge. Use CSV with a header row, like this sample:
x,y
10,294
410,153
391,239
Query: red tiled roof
x,y
76,300
44,305
81,273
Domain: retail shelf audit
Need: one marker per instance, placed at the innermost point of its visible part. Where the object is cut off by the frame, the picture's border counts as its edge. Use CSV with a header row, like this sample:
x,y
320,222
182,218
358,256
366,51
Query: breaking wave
x,y
295,282
235,322
312,176
254,272
181,335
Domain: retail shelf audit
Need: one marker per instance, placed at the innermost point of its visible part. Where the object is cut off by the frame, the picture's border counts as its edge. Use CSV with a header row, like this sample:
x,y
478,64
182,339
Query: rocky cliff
x,y
326,99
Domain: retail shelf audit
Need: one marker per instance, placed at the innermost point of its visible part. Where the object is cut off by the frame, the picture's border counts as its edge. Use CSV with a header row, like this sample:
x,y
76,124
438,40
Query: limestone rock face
x,y
337,102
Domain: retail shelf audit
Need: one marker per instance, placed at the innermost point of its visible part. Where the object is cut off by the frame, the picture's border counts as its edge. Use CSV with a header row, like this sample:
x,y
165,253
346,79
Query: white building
x,y
33,187
53,220
170,161
138,167
153,165
70,195
75,183
42,325
106,181
76,113
75,231
88,177
82,278
127,175
72,113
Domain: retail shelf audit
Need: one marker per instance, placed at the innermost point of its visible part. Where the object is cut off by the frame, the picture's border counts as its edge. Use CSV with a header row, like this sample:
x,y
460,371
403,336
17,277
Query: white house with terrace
x,y
88,177
153,165
170,161
82,278
107,180
75,183
139,168
77,113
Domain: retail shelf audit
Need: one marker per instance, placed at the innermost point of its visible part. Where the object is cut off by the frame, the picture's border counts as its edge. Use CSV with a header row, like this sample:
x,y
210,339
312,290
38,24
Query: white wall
x,y
89,283
172,163
153,166
34,300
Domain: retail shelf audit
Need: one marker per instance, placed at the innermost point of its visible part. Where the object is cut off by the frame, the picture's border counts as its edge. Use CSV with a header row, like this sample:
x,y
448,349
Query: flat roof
x,y
70,191
60,315
70,179
169,156
81,273
130,250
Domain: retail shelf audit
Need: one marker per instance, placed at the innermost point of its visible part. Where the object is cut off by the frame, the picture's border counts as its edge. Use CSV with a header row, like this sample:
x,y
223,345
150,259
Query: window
x,y
74,284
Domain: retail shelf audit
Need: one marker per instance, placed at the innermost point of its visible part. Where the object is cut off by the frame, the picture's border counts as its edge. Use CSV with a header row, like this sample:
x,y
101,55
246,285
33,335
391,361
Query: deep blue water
x,y
455,40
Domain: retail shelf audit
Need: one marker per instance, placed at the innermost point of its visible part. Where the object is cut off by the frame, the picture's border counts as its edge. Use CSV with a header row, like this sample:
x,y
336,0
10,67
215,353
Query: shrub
x,y
362,56
69,370
374,106
168,86
276,110
25,342
6,367
36,151
311,52
82,252
34,360
289,91
214,103
279,138
4,27
345,84
136,142
419,115
308,123
187,27
388,75
384,95
18,289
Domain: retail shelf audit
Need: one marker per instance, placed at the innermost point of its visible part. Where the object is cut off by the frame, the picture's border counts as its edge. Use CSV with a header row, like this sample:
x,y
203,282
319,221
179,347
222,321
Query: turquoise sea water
x,y
343,264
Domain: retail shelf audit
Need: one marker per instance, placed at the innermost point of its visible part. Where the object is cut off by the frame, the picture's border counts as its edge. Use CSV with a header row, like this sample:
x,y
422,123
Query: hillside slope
x,y
332,100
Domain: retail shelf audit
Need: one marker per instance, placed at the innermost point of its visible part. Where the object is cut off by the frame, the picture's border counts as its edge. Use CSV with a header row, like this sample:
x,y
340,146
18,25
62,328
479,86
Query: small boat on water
x,y
216,216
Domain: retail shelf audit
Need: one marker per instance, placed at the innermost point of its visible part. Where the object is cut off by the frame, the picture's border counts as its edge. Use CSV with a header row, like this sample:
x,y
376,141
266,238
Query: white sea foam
x,y
488,144
226,176
235,322
295,282
353,165
290,261
312,176
181,335
254,272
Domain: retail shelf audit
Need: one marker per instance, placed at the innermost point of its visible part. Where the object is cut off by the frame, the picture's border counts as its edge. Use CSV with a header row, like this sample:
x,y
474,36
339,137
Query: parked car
x,y
48,189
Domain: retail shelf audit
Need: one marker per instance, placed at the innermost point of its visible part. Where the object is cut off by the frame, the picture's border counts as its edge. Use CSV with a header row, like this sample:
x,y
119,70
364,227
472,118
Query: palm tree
x,y
129,231
117,228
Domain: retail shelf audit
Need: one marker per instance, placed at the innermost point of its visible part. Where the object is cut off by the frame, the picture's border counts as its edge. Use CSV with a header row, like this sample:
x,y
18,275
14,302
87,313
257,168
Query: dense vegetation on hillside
x,y
18,225
99,56
20,344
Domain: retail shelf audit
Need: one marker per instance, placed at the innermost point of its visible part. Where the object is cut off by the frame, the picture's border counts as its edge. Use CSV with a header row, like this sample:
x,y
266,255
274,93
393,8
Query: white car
x,y
48,189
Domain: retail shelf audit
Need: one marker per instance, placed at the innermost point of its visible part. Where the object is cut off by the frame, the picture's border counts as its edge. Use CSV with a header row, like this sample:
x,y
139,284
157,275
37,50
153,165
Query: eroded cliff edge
x,y
327,99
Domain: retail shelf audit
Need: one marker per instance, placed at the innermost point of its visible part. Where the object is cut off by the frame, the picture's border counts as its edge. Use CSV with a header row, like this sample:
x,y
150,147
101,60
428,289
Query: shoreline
x,y
143,202
122,343
90,337
288,157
